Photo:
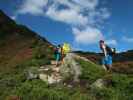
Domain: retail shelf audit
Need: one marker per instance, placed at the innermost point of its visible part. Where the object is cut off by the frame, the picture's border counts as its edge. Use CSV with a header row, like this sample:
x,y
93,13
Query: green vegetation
x,y
22,49
38,90
118,86
90,71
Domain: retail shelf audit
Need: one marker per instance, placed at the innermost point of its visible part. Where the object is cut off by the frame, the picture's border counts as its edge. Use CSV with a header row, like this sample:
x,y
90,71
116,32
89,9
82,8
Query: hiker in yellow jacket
x,y
65,49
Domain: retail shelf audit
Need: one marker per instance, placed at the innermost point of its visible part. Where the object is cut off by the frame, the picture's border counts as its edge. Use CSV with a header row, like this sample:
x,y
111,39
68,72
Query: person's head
x,y
59,45
101,42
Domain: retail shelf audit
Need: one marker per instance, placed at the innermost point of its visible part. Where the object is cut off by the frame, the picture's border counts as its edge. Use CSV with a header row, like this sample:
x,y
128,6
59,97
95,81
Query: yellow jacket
x,y
66,48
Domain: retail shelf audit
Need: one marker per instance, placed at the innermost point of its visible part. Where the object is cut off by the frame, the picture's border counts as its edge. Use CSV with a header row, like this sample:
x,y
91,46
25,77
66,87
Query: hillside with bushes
x,y
122,62
23,52
18,43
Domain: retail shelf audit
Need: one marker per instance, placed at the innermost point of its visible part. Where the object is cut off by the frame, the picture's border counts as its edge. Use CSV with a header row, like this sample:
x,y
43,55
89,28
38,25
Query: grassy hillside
x,y
19,44
20,48
122,62
16,86
116,86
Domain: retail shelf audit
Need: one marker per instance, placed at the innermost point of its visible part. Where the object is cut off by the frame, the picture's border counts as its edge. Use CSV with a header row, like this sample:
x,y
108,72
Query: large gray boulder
x,y
53,74
70,68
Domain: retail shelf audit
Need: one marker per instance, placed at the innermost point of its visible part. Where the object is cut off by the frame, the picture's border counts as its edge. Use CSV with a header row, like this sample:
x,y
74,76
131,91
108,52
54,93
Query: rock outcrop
x,y
55,74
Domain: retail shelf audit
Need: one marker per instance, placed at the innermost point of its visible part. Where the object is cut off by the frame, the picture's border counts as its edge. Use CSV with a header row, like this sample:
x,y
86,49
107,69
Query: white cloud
x,y
81,14
68,16
111,42
88,36
90,4
79,4
127,39
105,14
98,17
13,17
67,3
34,7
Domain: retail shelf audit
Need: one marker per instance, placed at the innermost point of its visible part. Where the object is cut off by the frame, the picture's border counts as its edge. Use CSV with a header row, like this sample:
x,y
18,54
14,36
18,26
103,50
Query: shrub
x,y
90,71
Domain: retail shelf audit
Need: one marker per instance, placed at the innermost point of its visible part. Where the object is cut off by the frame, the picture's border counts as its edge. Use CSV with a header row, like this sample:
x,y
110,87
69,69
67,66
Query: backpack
x,y
110,51
57,50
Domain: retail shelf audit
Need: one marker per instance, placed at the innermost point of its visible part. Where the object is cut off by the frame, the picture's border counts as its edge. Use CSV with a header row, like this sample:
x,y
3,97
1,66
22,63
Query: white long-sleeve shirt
x,y
104,50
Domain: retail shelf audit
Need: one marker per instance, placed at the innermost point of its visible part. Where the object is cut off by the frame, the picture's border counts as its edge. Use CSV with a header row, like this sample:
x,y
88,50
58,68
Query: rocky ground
x,y
54,74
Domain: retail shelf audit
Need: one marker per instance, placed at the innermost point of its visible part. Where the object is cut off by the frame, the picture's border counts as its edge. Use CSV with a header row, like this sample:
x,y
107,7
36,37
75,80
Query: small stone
x,y
57,69
46,69
69,86
53,62
99,83
42,67
31,75
51,79
43,77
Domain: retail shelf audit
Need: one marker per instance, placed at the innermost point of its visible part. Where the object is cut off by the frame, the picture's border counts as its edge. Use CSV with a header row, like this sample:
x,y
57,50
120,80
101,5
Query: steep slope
x,y
74,86
18,43
20,48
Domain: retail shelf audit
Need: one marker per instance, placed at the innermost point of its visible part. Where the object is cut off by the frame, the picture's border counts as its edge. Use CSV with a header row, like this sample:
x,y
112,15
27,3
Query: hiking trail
x,y
54,74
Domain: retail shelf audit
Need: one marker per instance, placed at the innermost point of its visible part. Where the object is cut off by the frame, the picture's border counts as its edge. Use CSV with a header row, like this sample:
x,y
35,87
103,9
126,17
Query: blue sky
x,y
82,23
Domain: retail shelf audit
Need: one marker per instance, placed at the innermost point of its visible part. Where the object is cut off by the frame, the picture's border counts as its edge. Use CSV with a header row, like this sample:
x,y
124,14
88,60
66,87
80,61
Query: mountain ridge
x,y
18,42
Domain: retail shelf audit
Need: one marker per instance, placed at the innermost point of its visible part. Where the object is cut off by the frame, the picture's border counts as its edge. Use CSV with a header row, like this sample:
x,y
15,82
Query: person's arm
x,y
104,50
